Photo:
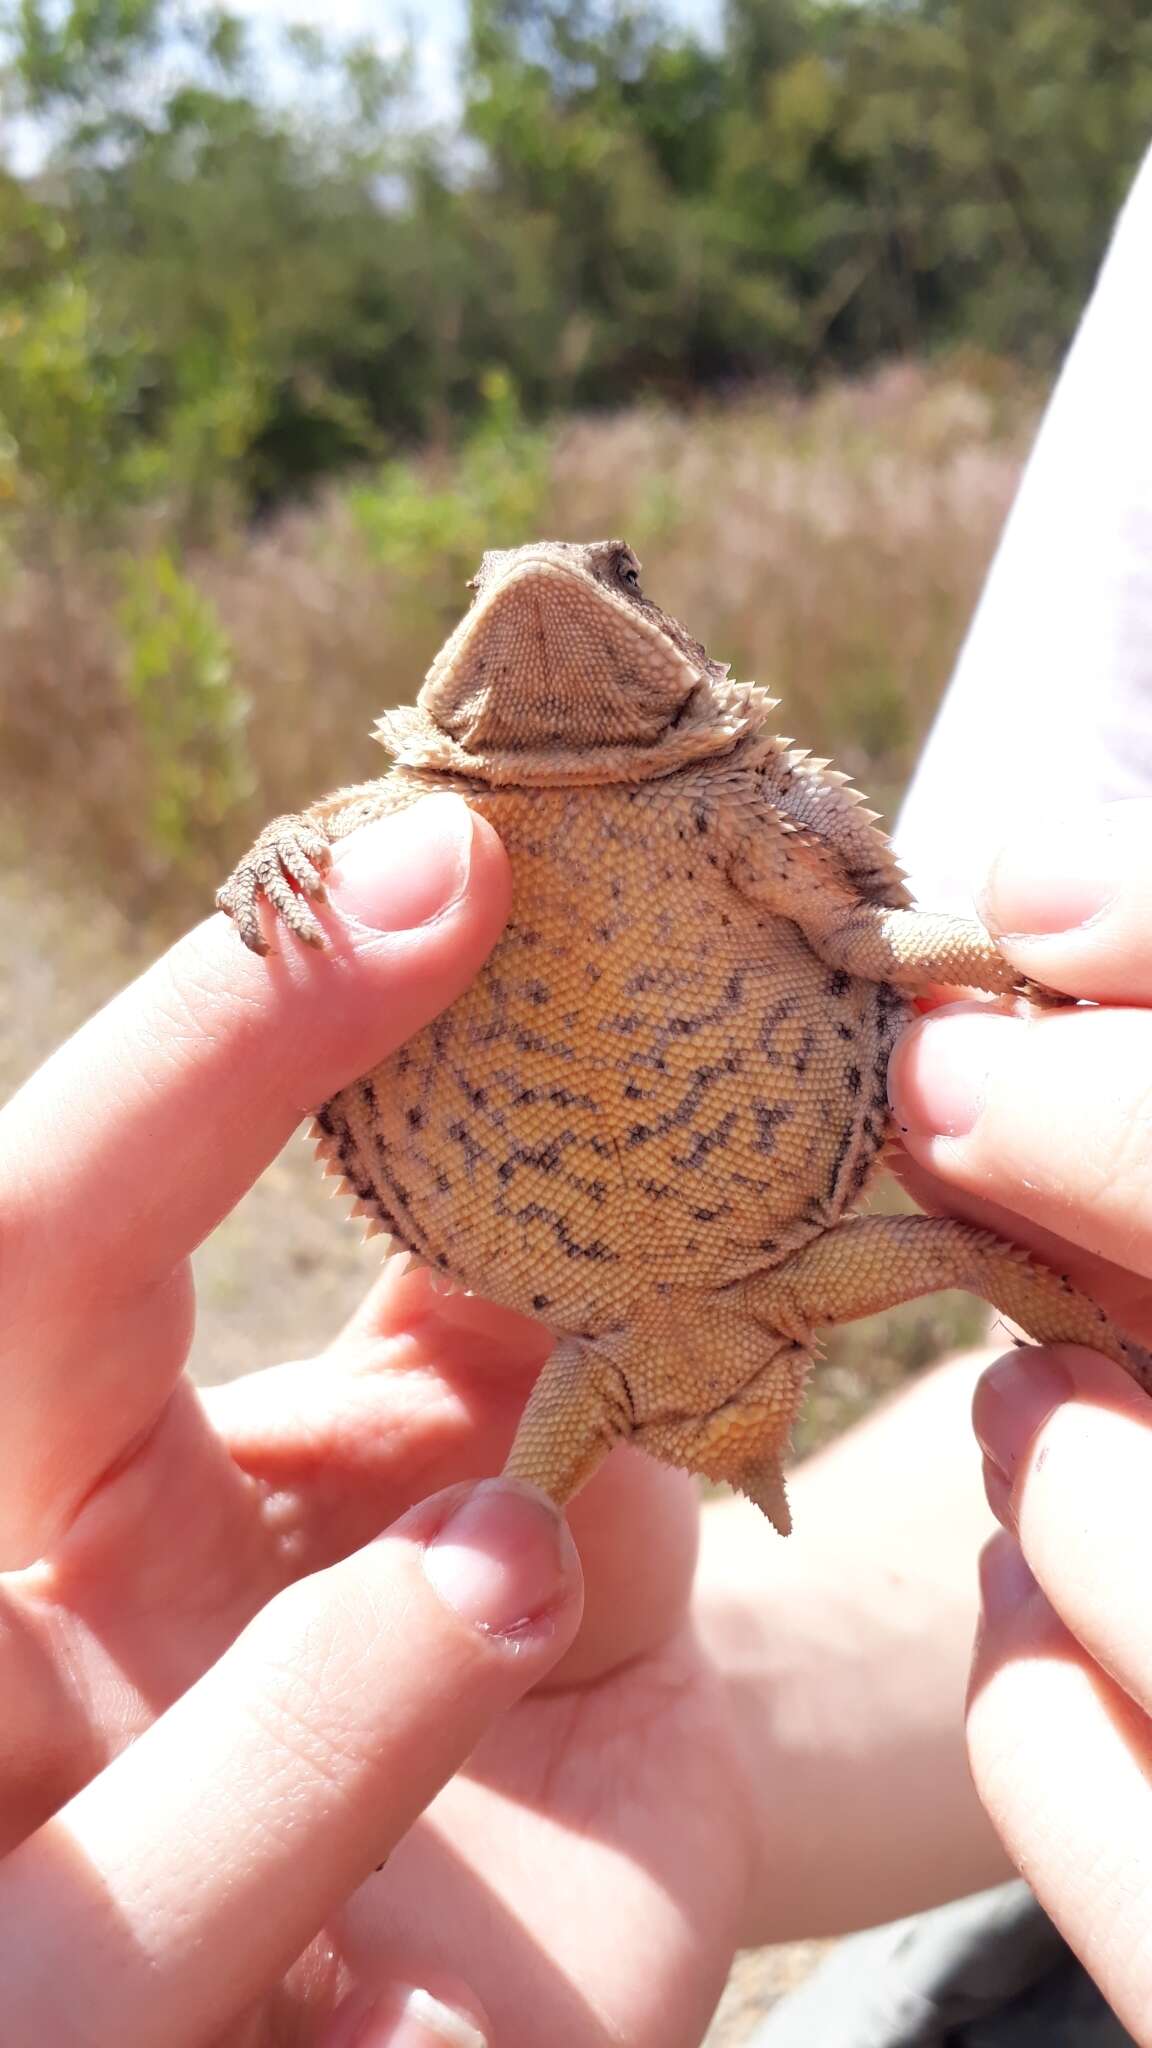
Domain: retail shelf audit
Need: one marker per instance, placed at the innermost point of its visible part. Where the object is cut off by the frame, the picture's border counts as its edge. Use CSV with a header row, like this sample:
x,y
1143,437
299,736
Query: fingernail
x,y
938,1074
1005,1580
504,1559
1059,875
405,2018
1013,1401
402,872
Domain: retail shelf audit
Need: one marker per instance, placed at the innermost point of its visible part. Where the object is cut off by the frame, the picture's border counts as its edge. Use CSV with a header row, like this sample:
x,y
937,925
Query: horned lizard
x,y
648,1121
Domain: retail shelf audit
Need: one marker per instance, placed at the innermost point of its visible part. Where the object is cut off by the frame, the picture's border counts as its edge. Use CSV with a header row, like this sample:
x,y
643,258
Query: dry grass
x,y
830,548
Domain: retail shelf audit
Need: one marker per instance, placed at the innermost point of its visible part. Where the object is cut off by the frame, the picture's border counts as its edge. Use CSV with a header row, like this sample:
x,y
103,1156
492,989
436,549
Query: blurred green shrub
x,y
494,494
218,290
179,676
68,390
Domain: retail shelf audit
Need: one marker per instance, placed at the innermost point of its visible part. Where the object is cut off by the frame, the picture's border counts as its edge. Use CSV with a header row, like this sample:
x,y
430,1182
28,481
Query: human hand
x,y
1039,1127
225,1700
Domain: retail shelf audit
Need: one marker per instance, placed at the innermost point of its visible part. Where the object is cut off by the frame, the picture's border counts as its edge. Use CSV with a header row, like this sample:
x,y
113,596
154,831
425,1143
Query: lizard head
x,y
561,650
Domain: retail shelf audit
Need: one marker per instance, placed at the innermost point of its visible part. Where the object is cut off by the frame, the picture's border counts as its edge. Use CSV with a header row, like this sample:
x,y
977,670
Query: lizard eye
x,y
628,573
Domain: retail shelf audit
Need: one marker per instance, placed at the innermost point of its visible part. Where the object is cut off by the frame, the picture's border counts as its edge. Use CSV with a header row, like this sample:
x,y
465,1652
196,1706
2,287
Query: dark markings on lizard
x,y
535,1212
563,1098
842,1151
462,1136
777,1014
769,1117
705,1142
531,1041
804,1051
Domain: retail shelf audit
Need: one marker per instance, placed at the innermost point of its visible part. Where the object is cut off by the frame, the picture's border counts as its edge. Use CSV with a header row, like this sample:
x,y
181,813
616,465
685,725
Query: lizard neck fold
x,y
717,716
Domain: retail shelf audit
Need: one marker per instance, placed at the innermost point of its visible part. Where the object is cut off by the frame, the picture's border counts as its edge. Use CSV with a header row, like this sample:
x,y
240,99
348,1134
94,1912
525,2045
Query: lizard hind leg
x,y
868,1263
580,1407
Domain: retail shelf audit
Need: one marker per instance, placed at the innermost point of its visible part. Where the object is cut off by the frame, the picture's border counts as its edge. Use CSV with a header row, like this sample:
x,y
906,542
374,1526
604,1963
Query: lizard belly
x,y
626,1100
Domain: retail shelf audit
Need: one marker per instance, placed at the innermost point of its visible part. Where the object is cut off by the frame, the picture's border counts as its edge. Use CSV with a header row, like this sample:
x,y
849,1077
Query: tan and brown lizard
x,y
650,1118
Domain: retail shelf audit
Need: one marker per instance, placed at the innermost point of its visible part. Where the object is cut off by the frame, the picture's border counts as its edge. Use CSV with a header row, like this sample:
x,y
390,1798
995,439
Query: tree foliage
x,y
212,294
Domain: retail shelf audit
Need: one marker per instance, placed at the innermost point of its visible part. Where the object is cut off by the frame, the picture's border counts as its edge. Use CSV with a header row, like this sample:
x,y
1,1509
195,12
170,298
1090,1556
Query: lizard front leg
x,y
790,874
913,948
287,864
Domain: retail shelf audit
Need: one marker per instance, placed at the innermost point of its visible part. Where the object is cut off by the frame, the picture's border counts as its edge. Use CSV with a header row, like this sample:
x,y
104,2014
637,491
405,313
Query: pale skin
x,y
739,1758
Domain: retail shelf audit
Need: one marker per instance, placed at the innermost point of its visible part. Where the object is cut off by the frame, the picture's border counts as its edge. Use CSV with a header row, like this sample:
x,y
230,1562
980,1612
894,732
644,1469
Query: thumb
x,y
182,1883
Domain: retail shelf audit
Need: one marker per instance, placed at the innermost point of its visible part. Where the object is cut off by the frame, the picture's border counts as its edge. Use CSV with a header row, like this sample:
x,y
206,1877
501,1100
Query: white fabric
x,y
1051,704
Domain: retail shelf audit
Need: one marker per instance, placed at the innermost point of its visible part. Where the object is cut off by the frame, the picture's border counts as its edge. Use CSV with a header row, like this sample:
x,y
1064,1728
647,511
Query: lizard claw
x,y
1040,996
286,866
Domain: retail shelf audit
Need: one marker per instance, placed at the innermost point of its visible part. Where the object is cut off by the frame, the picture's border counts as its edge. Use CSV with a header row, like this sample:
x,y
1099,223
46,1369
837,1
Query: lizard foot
x,y
286,865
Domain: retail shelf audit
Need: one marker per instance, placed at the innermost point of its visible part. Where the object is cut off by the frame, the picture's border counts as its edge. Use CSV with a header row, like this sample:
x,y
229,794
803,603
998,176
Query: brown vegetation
x,y
832,548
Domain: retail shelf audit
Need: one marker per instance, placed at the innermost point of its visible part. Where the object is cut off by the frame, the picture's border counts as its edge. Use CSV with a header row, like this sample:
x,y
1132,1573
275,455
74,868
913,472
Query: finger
x,y
1046,1114
143,1131
1070,901
1069,1438
181,1883
1062,1760
422,1390
426,1389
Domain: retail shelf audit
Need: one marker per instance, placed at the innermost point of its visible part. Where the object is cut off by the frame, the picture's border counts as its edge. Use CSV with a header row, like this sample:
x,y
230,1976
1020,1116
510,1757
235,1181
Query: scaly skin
x,y
649,1119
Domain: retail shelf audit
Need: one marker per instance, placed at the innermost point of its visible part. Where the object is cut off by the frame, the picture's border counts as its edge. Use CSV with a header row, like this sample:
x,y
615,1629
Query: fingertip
x,y
1012,1401
500,1556
1068,899
407,869
1053,877
1006,1583
939,1069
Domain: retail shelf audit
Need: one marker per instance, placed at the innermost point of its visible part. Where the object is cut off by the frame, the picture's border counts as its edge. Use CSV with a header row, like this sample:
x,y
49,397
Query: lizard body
x,y
648,1121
